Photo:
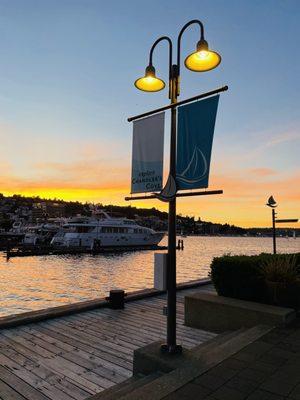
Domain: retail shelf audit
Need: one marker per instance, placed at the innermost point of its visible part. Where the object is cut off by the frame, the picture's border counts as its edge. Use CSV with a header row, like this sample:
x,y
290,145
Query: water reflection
x,y
31,283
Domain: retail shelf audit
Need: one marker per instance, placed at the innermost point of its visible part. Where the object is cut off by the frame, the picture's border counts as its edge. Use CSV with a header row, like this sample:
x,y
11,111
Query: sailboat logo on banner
x,y
169,191
196,170
196,123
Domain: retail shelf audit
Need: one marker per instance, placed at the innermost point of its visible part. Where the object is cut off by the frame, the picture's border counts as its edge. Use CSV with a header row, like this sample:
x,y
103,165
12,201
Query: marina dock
x,y
28,251
75,356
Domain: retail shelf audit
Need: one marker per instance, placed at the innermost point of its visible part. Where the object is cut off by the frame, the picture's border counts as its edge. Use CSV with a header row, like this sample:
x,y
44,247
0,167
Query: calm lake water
x,y
31,283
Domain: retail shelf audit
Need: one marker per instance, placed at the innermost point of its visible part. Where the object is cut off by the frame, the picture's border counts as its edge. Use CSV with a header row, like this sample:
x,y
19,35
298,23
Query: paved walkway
x,y
268,369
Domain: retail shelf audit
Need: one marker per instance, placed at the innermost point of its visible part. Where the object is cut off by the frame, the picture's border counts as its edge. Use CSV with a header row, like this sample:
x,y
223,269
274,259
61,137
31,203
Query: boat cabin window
x,y
83,229
115,229
107,229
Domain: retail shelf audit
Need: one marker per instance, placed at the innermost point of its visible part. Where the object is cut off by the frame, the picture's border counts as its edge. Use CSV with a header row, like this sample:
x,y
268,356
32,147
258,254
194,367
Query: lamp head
x,y
149,82
271,202
203,59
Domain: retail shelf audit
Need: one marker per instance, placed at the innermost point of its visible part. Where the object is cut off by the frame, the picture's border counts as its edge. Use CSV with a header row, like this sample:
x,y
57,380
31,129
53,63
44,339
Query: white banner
x,y
148,154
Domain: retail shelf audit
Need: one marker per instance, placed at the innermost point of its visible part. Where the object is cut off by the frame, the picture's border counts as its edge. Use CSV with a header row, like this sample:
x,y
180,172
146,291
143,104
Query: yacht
x,y
102,230
40,234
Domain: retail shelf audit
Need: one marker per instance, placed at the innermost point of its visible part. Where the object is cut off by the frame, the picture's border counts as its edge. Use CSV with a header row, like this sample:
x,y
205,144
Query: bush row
x,y
242,276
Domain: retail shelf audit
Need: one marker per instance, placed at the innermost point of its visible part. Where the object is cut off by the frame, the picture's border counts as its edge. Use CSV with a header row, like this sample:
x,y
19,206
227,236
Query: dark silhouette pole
x,y
202,60
272,204
274,230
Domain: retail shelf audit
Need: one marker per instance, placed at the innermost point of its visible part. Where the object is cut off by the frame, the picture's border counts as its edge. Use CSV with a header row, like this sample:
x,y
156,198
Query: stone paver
x,y
268,369
263,395
295,393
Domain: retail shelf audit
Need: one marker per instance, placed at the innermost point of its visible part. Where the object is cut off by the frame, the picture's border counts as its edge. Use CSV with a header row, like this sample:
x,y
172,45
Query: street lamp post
x,y
272,203
203,59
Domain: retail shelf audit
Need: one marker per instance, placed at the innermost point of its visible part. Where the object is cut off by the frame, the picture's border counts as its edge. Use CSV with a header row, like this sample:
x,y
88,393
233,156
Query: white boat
x,y
102,230
39,234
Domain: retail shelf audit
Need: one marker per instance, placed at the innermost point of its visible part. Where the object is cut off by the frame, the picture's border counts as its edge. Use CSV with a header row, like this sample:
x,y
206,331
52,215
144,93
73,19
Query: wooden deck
x,y
76,356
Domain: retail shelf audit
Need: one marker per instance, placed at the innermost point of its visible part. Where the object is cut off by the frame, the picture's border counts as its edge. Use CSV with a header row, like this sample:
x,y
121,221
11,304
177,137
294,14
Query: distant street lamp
x,y
272,203
203,59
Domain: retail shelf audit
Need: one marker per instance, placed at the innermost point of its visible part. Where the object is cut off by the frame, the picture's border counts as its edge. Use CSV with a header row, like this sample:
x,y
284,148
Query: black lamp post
x,y
272,203
203,59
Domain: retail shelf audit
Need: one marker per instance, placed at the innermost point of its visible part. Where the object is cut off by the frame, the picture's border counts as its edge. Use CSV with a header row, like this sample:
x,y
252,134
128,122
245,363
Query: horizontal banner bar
x,y
286,220
180,103
153,196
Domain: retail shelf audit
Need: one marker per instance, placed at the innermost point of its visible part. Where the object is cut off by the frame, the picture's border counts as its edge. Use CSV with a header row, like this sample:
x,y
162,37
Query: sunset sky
x,y
67,69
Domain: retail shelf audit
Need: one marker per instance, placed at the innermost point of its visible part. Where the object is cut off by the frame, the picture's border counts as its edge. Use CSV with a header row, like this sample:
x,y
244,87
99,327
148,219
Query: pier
x,y
28,251
76,356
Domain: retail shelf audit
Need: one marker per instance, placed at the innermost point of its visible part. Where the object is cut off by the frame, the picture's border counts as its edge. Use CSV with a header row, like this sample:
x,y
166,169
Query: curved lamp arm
x,y
194,21
170,52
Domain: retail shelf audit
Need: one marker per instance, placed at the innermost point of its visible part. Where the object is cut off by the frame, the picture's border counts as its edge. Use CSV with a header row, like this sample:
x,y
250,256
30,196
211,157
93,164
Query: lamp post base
x,y
175,349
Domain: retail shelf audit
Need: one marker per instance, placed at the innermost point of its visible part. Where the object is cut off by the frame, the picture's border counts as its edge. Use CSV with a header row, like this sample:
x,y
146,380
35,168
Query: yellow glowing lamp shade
x,y
149,82
203,59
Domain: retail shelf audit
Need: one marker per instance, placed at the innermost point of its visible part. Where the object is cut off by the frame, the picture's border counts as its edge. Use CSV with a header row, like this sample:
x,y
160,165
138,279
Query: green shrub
x,y
242,277
281,269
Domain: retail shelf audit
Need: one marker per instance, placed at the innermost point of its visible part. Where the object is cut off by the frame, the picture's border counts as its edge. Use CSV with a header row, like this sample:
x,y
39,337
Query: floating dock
x,y
26,251
75,356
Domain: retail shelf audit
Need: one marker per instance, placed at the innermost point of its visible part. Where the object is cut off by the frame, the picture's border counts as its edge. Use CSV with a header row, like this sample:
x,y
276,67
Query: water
x,y
31,283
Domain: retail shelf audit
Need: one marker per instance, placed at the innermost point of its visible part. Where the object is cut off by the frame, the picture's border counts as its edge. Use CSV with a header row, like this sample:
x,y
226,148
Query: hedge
x,y
241,276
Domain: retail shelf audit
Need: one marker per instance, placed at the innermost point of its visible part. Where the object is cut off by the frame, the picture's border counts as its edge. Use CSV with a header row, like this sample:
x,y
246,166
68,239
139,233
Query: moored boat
x,y
102,230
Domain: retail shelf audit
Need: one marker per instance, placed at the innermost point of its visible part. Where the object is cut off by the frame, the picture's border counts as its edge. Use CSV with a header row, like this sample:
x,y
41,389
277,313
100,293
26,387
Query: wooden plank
x,y
7,393
71,389
35,360
34,331
149,326
36,341
73,370
117,372
21,386
90,363
114,328
131,320
152,317
100,345
87,348
60,367
87,362
80,379
58,381
157,334
113,369
33,380
36,348
102,335
134,333
160,332
79,335
107,329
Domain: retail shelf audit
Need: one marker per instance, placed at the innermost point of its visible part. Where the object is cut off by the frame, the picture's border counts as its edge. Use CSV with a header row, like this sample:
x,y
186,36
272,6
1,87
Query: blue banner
x,y
196,124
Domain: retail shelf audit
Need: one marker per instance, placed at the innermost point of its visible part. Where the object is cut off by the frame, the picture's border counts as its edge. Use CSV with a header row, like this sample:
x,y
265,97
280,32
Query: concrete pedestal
x,y
149,359
215,313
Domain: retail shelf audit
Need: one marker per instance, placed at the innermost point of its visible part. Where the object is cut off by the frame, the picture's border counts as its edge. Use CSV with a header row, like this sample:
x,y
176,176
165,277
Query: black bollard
x,y
116,299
